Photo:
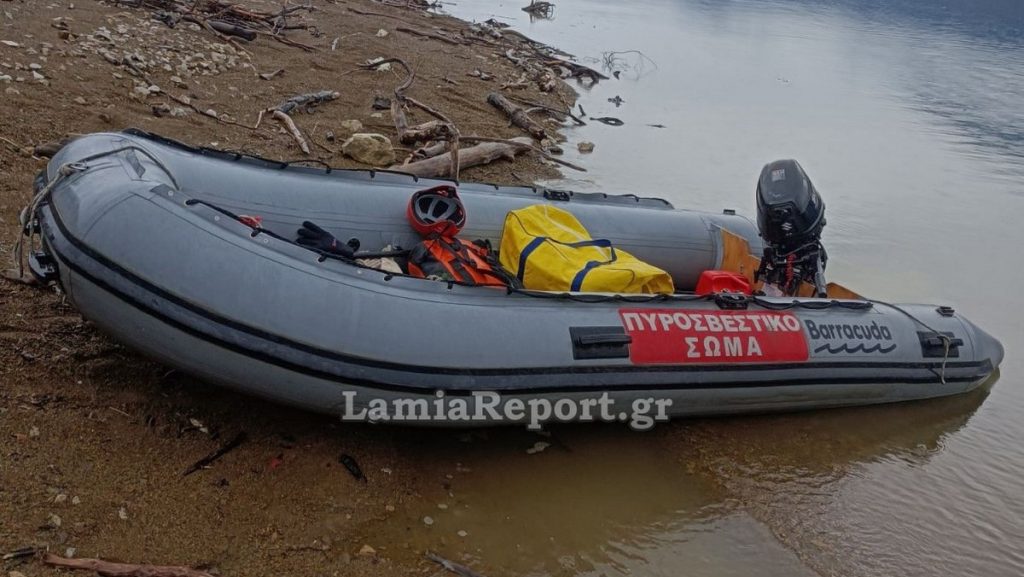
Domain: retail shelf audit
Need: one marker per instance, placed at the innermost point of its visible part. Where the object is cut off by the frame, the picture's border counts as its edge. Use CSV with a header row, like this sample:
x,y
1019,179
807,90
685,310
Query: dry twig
x,y
111,569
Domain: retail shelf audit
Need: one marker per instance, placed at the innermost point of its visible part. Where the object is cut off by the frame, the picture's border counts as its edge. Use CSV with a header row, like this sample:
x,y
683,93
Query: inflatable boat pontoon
x,y
142,234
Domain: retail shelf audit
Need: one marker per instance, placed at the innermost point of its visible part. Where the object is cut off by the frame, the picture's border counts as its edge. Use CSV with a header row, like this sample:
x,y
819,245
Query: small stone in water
x,y
428,521
462,533
585,147
537,447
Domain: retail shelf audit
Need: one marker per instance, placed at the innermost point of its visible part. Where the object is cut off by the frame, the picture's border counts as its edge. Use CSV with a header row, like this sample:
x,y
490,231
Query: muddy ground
x,y
94,439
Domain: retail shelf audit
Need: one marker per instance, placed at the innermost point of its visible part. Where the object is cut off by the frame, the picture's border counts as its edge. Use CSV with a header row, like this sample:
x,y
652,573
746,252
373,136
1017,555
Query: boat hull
x,y
183,284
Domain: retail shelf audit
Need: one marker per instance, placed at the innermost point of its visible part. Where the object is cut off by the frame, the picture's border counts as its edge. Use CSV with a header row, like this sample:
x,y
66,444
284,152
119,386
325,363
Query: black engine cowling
x,y
789,210
790,218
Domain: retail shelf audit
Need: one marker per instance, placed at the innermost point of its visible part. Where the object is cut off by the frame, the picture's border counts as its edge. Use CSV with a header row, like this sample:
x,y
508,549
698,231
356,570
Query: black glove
x,y
316,238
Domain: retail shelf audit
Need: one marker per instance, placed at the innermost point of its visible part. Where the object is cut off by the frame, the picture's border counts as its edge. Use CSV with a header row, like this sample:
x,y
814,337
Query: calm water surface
x,y
909,116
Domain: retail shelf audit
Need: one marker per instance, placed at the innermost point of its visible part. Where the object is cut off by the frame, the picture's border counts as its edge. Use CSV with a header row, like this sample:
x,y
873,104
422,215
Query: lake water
x,y
909,117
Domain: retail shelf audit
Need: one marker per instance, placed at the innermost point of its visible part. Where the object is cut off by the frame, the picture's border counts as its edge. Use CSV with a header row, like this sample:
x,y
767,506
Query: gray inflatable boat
x,y
142,234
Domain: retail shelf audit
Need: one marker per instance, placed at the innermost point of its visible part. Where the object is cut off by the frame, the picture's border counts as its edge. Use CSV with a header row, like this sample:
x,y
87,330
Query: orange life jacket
x,y
450,258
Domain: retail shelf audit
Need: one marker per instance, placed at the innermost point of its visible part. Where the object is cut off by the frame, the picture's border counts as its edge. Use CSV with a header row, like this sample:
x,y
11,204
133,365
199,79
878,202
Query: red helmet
x,y
437,211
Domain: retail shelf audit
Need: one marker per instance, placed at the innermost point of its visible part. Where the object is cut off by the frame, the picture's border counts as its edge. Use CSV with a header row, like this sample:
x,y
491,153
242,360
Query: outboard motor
x,y
790,217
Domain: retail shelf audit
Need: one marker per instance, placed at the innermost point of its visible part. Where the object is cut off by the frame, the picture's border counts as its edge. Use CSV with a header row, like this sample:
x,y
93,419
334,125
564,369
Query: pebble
x,y
351,125
80,100
33,432
382,33
60,498
122,514
442,506
76,500
11,91
10,43
54,520
70,552
367,551
462,533
5,78
211,113
35,66
389,508
15,574
37,76
585,147
428,521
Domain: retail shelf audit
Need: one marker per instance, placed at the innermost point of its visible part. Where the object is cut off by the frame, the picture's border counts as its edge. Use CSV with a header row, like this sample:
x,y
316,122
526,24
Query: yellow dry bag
x,y
548,249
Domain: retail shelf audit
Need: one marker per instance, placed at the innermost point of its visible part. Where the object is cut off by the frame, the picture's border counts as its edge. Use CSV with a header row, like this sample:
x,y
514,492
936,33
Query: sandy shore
x,y
94,439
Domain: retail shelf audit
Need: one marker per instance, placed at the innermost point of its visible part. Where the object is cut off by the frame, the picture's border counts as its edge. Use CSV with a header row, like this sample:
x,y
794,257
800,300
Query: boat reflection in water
x,y
716,497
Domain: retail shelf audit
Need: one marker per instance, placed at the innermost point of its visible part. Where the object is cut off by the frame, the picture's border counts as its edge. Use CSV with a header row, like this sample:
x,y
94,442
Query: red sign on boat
x,y
671,336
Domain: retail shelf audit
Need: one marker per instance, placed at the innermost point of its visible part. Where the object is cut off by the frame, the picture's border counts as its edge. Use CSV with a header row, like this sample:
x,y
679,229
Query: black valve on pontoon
x,y
790,217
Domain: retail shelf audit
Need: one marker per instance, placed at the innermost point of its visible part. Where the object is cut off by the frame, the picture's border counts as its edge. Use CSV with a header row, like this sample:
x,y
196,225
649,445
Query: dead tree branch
x,y
484,153
520,142
111,569
517,115
457,568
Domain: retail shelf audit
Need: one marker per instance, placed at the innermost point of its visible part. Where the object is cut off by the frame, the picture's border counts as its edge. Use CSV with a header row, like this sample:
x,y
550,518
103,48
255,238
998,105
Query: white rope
x,y
66,170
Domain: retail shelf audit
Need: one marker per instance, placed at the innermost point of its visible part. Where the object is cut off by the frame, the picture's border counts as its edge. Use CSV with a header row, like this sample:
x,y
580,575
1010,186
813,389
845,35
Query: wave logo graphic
x,y
858,348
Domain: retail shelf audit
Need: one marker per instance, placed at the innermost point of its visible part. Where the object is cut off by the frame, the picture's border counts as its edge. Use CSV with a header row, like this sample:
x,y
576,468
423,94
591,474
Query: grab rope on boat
x,y
66,170
947,341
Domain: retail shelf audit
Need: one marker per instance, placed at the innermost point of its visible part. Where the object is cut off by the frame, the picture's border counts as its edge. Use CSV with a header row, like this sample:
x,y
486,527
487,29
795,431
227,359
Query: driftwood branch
x,y
293,130
517,115
224,449
111,569
434,130
483,153
306,101
428,151
522,143
228,20
432,35
457,568
559,113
